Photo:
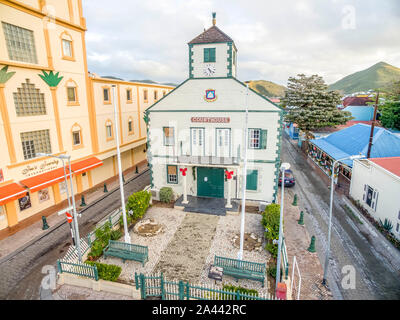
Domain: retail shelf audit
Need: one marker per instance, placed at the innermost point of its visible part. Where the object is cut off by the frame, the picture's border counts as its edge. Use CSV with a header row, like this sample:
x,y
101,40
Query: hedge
x,y
109,272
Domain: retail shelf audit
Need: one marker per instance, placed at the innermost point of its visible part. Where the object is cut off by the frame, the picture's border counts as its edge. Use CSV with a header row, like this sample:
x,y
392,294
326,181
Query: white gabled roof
x,y
231,95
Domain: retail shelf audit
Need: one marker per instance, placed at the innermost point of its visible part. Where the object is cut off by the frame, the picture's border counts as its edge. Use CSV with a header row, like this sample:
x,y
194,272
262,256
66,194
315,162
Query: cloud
x,y
276,39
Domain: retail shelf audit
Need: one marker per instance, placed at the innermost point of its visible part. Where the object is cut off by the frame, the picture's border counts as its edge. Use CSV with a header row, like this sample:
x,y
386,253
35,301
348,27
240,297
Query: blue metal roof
x,y
354,140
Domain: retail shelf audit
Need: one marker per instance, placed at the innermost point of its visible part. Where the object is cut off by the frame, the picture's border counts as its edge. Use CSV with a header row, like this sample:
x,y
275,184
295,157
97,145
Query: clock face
x,y
209,70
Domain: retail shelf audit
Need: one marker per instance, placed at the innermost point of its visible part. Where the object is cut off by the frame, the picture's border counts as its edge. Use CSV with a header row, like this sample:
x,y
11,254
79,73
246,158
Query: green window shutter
x,y
251,180
263,142
212,55
206,54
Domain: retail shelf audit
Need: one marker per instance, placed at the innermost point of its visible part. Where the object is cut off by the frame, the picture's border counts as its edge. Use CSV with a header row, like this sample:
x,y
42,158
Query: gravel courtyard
x,y
186,248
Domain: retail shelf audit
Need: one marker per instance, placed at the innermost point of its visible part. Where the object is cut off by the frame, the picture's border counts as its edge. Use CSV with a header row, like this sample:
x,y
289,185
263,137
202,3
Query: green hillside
x,y
267,88
378,76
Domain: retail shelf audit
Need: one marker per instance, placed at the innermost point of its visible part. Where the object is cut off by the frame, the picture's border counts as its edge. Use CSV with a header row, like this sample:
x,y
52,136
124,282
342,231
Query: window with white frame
x,y
169,137
172,174
67,48
370,196
29,101
20,43
109,132
254,138
34,142
257,139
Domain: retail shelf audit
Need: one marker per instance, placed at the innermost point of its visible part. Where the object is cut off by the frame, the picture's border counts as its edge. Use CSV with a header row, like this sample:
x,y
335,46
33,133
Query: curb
x,y
55,227
387,245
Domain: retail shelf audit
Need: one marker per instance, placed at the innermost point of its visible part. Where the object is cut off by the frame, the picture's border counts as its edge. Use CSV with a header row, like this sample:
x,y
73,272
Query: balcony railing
x,y
208,160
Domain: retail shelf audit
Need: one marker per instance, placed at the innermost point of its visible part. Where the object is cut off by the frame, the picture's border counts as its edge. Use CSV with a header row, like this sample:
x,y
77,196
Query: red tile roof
x,y
356,101
391,164
213,34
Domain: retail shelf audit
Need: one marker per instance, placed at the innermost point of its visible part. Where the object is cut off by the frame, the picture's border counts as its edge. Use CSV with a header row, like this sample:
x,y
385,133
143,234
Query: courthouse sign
x,y
211,119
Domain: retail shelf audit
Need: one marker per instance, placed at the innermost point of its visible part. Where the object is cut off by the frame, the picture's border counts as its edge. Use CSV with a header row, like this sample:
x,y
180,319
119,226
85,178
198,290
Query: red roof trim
x,y
11,192
391,164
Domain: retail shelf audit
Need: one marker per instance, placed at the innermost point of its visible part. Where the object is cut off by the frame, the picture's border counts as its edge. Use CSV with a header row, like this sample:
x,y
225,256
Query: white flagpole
x,y
121,183
240,254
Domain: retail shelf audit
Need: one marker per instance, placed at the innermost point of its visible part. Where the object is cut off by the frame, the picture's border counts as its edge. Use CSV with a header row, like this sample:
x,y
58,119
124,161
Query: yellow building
x,y
49,103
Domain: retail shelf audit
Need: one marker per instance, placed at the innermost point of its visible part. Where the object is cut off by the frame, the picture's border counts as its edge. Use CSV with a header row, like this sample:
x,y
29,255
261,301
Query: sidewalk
x,y
24,237
297,242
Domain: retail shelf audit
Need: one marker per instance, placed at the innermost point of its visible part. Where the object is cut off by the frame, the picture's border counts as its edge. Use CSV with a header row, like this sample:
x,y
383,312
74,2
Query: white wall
x,y
388,186
221,62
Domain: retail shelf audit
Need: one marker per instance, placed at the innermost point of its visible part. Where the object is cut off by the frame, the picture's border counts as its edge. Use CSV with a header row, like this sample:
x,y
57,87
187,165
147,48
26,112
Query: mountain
x,y
378,76
267,88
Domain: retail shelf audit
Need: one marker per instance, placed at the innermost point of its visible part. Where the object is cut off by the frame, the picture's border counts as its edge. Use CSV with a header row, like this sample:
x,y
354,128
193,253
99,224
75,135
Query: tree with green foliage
x,y
310,105
390,110
270,221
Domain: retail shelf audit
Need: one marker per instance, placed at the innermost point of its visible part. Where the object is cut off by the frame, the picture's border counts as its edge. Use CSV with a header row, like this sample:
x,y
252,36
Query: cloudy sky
x,y
147,39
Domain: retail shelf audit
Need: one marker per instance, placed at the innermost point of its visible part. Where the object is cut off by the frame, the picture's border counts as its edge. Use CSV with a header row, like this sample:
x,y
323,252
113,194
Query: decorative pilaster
x,y
52,80
4,77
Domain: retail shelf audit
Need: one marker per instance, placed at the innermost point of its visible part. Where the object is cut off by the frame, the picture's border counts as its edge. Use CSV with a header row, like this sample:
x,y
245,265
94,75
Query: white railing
x,y
296,287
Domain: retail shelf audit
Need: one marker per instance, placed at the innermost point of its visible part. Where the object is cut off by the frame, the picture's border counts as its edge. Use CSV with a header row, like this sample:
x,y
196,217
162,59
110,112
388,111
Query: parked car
x,y
289,178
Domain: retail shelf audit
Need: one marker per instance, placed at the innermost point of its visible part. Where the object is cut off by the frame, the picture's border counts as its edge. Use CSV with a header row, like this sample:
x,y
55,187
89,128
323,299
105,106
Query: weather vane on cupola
x,y
214,19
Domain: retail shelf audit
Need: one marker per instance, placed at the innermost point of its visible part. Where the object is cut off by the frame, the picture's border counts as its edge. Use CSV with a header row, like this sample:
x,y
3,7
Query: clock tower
x,y
212,54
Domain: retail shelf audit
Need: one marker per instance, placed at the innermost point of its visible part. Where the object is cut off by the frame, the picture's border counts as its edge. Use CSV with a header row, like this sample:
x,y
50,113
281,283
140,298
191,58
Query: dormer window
x,y
209,54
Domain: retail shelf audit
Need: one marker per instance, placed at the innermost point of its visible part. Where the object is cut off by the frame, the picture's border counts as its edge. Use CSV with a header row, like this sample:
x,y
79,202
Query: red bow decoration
x,y
183,171
229,174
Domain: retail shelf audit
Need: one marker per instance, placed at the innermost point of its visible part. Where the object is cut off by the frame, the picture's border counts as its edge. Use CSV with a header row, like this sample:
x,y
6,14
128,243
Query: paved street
x,y
21,274
376,277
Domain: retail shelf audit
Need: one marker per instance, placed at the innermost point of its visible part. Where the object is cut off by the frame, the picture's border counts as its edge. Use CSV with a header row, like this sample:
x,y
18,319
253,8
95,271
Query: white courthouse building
x,y
196,133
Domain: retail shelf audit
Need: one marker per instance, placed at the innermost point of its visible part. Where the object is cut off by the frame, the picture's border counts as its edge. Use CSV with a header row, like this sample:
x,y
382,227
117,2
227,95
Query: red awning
x,y
11,192
85,165
44,180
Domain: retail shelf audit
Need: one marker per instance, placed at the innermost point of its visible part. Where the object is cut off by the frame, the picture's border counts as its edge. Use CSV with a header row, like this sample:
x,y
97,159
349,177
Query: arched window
x,y
130,125
29,101
67,48
129,95
109,130
76,132
72,93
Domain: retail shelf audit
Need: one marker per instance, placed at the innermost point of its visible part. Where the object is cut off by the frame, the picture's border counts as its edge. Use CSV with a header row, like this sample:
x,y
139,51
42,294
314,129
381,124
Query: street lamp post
x,y
285,166
62,158
121,183
330,211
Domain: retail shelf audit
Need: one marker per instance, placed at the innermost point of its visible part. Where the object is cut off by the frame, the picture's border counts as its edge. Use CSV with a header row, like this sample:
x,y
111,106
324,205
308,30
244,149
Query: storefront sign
x,y
45,166
211,119
43,195
25,202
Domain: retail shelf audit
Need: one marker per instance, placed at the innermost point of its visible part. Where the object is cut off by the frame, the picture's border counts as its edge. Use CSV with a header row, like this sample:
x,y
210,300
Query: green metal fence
x,y
158,286
113,219
83,270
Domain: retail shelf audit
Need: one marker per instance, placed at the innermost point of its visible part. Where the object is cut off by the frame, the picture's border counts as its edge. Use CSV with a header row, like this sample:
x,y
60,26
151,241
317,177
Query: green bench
x,y
241,269
126,251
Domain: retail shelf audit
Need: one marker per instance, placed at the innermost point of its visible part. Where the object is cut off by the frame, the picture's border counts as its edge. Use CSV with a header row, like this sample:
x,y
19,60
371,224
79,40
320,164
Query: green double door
x,y
210,182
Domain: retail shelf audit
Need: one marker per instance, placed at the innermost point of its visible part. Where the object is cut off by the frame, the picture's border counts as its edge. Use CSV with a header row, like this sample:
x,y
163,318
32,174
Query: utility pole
x,y
121,183
371,136
244,181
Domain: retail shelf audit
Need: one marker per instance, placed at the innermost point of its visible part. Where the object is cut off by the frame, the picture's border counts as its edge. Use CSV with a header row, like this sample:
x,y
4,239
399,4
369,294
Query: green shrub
x,y
103,235
239,289
109,272
270,221
271,270
387,225
115,234
166,194
138,203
